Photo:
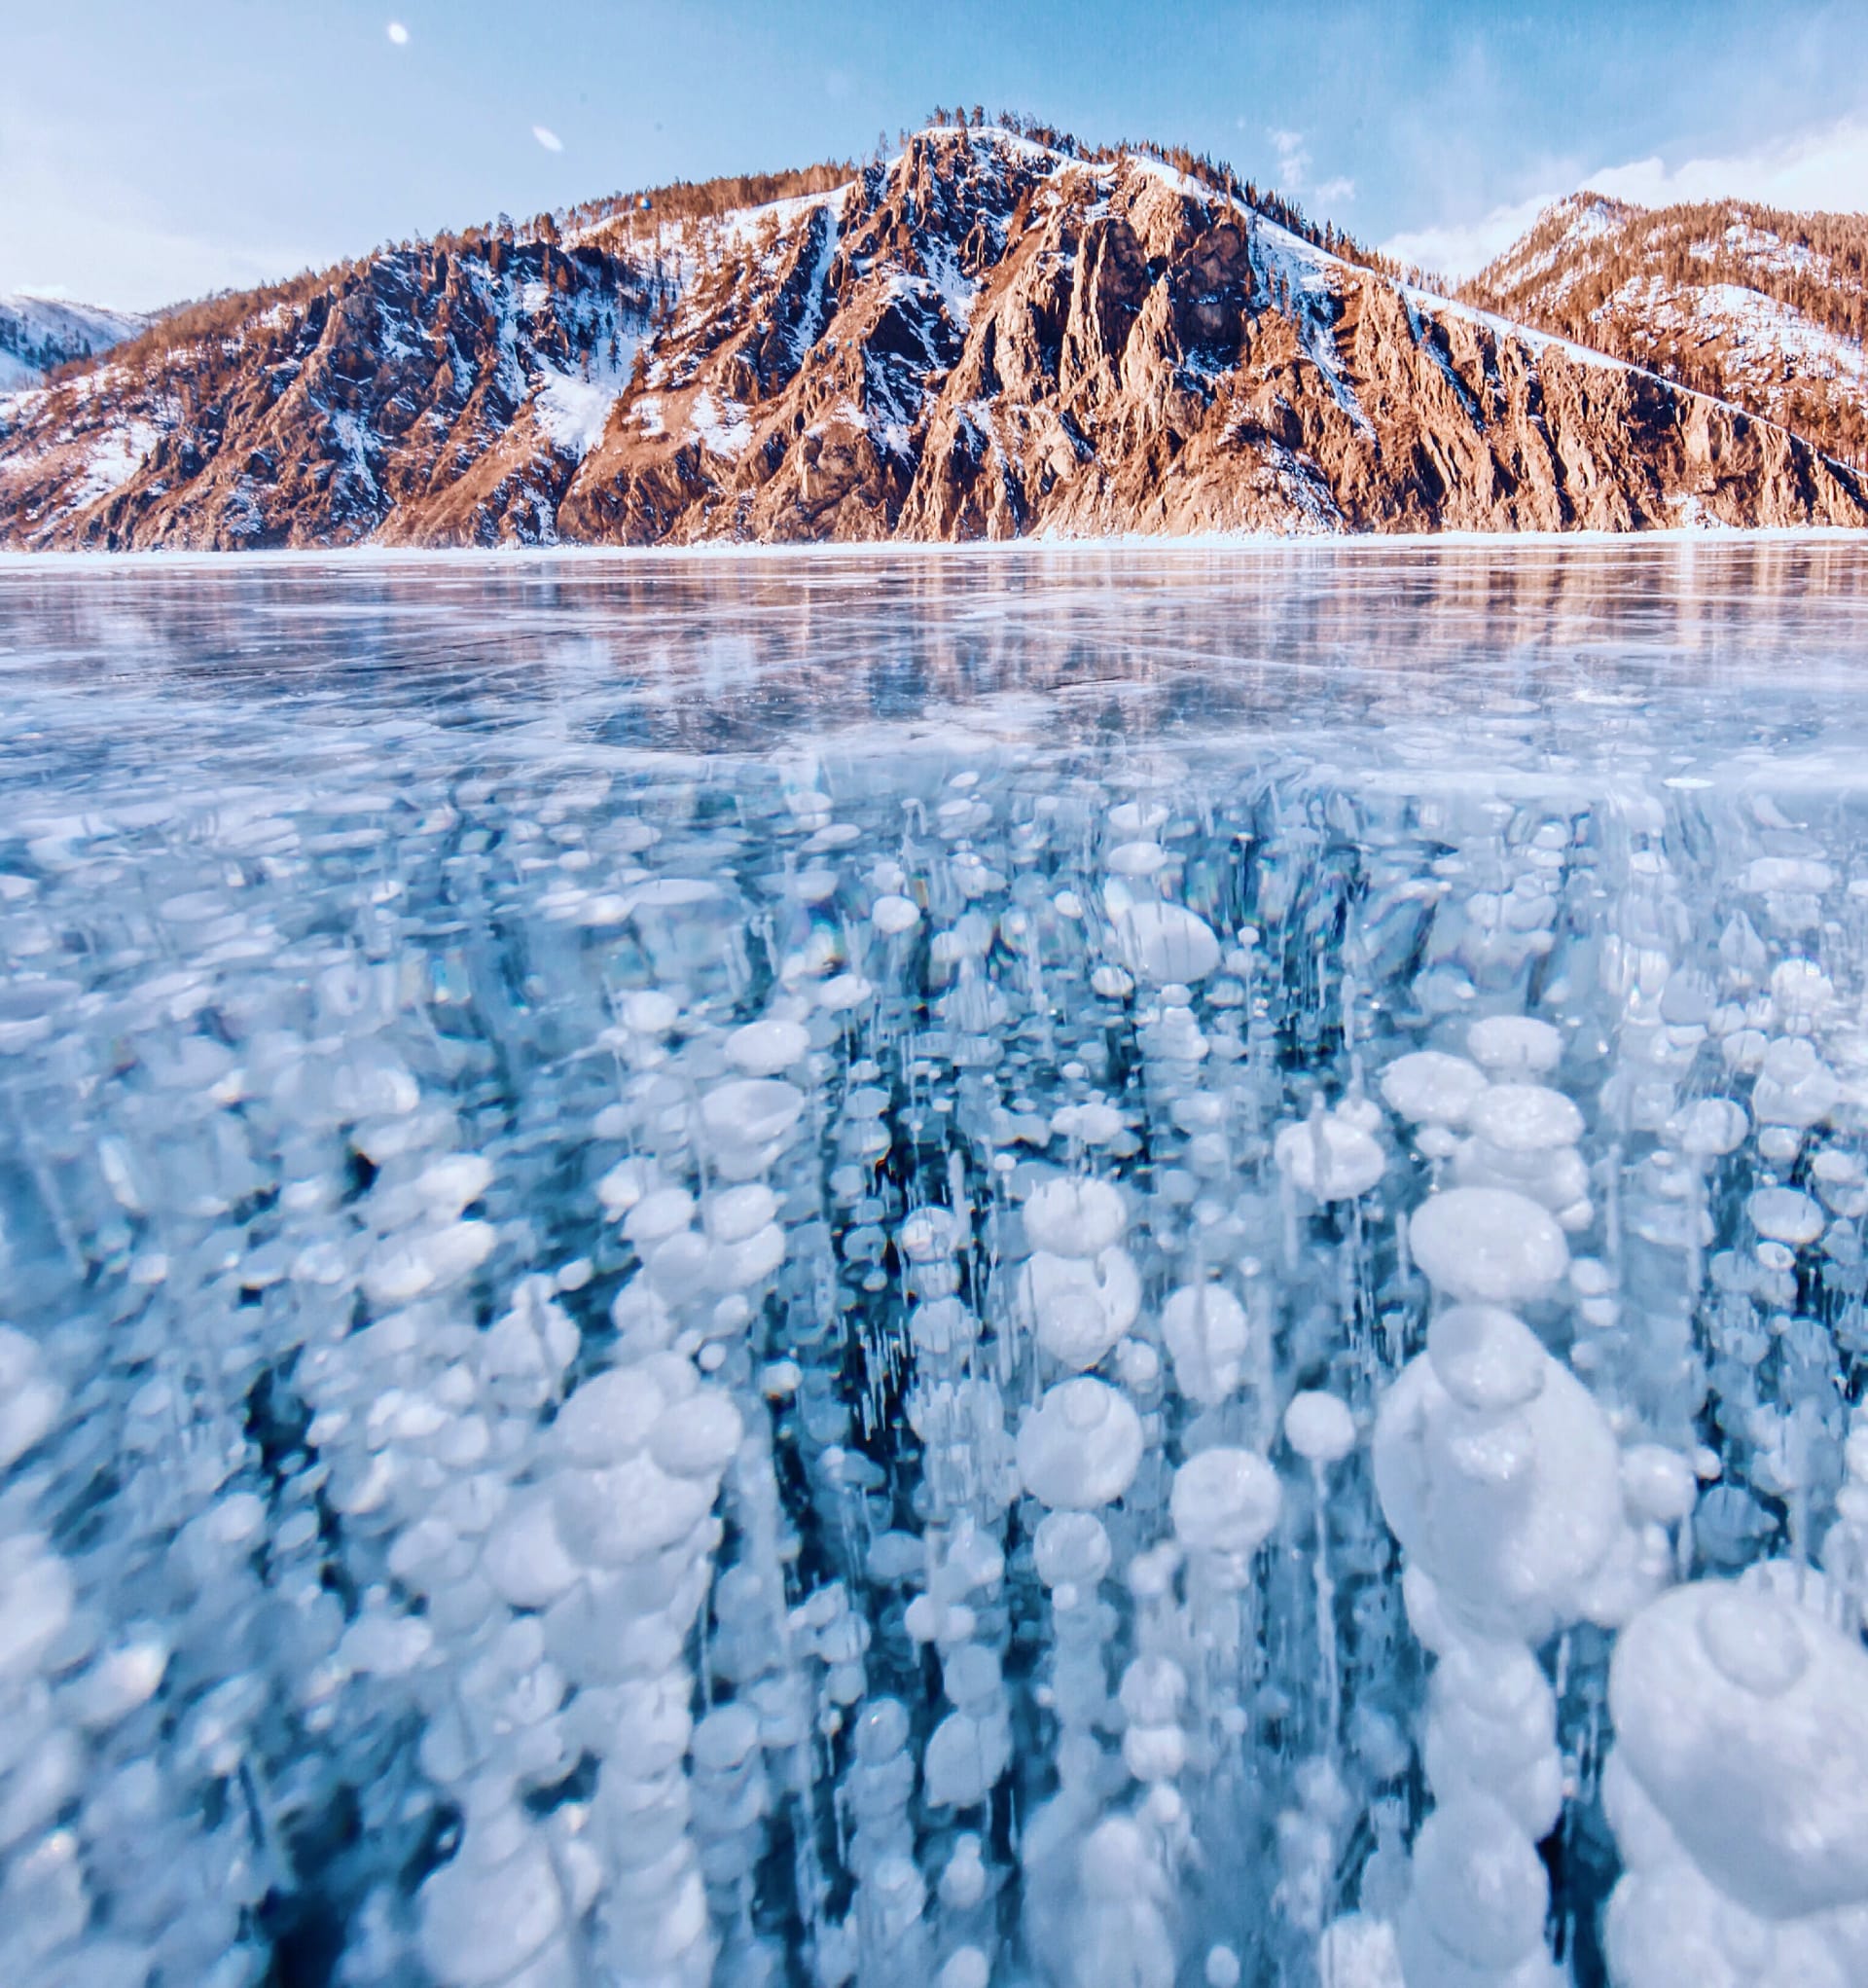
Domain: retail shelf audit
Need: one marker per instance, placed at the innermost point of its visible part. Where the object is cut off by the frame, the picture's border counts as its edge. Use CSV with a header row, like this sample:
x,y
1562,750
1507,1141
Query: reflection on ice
x,y
991,1347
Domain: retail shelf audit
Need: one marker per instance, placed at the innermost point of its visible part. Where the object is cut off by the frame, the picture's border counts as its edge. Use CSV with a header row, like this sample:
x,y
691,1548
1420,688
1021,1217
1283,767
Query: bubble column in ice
x,y
1737,1789
1501,1478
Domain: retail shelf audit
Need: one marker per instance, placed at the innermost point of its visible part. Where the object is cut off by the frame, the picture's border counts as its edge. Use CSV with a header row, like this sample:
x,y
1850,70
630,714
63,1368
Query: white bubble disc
x,y
1161,943
1081,1447
1225,1500
1329,1157
1319,1427
1487,1243
1430,1088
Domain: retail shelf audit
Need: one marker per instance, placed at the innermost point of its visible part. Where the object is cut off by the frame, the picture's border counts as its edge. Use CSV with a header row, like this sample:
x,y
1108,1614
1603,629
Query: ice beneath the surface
x,y
1050,1274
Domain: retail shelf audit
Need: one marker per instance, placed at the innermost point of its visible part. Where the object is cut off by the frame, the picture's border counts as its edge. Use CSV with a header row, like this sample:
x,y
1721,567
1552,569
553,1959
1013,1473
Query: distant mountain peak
x,y
40,332
1765,308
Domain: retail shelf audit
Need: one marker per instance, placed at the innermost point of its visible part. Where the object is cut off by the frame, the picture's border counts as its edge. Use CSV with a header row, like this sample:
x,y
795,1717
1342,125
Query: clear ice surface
x,y
1095,1270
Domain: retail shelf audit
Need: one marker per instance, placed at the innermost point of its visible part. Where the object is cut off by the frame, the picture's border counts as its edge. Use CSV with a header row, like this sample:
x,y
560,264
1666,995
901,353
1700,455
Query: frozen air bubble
x,y
1486,1359
1225,1501
892,914
1526,1118
1071,1547
1515,1045
764,1048
1427,1087
1207,1333
1329,1157
1487,1243
1161,942
1080,1309
1074,1218
1785,1215
1081,1447
1319,1427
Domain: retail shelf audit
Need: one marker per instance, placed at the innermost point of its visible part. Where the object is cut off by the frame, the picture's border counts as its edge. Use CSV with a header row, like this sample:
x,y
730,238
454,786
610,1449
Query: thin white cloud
x,y
1338,192
550,139
1826,169
1293,160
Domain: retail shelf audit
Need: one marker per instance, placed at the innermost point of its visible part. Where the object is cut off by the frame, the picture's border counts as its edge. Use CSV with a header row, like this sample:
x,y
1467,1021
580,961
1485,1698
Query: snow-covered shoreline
x,y
363,557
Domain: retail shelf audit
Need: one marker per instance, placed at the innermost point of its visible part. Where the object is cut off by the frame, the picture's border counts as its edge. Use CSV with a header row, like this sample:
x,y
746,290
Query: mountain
x,y
986,337
38,334
1760,308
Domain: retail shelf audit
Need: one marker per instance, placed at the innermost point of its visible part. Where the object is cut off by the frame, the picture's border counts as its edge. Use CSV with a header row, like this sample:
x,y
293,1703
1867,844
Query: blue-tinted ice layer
x,y
928,1273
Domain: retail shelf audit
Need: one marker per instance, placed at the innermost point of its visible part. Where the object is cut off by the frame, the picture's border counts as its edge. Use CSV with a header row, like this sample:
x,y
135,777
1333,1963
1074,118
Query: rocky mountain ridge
x,y
985,338
1752,305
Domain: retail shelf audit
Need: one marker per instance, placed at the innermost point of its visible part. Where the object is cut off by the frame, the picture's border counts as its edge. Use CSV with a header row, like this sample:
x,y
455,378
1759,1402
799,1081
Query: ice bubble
x,y
1526,1118
30,1400
764,1048
748,1121
929,1235
966,1966
894,915
1081,1447
735,1213
1785,1215
1507,1493
525,1562
1080,1309
1206,1334
1427,1087
622,1187
1225,1501
1111,983
629,1510
454,1183
699,1436
1658,1484
665,1212
1160,942
1765,874
1479,1896
1486,1357
1329,1157
1743,1719
611,1415
1319,1427
1515,1045
1708,1128
1071,1547
650,1011
1487,1243
843,992
492,1909
1074,1218
1795,1086
964,1757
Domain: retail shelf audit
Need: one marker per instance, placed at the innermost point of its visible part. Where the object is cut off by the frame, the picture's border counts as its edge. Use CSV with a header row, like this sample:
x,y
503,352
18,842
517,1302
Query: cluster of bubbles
x,y
963,1365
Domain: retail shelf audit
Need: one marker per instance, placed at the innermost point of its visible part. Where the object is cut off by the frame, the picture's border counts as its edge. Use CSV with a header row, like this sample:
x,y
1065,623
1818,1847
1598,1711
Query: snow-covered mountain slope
x,y
986,337
40,332
1764,308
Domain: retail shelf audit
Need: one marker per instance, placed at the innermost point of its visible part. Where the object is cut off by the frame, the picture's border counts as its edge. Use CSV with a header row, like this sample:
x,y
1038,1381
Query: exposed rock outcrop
x,y
982,339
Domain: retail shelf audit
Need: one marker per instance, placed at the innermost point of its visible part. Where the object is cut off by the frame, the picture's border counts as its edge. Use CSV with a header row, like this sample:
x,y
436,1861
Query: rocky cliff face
x,y
982,339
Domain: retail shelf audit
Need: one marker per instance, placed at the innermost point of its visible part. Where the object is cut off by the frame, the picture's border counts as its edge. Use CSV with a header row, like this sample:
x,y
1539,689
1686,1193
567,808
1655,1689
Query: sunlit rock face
x,y
982,1350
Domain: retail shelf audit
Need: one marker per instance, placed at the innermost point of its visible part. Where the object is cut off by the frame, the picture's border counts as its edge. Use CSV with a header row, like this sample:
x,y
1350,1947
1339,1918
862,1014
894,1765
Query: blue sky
x,y
149,152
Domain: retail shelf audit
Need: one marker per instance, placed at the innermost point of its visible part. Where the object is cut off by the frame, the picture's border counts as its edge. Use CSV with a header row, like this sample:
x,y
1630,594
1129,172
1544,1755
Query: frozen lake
x,y
1088,1269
